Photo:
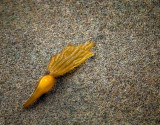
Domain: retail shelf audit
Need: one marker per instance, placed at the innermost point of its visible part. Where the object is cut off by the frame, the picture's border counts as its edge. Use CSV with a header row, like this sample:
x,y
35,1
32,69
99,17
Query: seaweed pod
x,y
69,58
44,85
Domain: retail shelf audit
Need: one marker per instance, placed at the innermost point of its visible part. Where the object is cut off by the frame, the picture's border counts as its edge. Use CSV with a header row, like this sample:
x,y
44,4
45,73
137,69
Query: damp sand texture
x,y
119,85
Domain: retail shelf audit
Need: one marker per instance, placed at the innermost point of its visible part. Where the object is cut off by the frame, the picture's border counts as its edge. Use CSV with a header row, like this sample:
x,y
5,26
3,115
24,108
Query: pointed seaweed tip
x,y
88,45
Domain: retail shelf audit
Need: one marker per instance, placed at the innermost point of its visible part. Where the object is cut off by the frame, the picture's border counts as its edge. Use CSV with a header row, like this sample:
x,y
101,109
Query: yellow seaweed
x,y
67,60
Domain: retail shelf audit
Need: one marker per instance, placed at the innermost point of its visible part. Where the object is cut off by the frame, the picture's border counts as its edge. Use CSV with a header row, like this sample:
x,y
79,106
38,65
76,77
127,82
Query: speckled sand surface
x,y
119,85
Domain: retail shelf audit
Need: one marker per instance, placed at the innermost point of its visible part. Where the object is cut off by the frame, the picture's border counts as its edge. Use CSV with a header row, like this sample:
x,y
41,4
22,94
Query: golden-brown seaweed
x,y
67,60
